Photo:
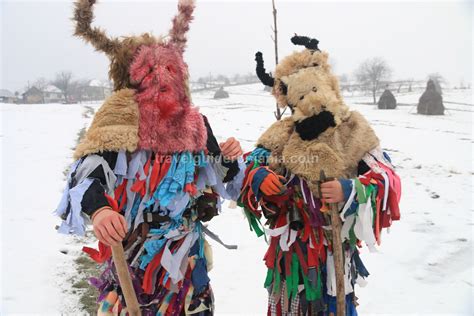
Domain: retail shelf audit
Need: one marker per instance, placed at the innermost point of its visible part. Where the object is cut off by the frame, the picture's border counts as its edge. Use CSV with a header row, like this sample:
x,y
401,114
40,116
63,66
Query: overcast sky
x,y
416,38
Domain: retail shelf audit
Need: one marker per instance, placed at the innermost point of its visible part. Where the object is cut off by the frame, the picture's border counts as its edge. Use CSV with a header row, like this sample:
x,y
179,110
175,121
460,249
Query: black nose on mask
x,y
311,127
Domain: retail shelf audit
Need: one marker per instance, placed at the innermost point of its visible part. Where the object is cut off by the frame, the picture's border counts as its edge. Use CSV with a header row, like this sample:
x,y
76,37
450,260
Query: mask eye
x,y
170,68
302,97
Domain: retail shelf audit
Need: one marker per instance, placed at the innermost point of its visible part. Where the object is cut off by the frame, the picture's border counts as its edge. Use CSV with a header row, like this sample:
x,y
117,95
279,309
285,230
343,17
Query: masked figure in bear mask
x,y
283,184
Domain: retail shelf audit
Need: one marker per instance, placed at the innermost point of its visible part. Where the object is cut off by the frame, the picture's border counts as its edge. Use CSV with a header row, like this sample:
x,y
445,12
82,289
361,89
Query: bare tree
x,y
344,82
78,91
410,84
223,79
41,83
202,81
63,82
236,78
372,73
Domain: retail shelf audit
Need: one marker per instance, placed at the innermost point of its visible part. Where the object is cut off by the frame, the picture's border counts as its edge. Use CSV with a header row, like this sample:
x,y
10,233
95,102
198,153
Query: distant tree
x,y
344,82
344,78
410,84
372,73
78,91
438,81
41,83
400,85
202,81
63,82
236,78
223,79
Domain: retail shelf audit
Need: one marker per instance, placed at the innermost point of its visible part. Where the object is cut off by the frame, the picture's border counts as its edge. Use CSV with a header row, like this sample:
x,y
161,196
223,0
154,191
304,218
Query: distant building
x,y
33,95
50,94
6,96
96,90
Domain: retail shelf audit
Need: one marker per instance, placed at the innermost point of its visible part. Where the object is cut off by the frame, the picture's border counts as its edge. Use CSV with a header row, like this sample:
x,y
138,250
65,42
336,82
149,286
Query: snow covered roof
x,y
51,88
6,93
96,83
99,83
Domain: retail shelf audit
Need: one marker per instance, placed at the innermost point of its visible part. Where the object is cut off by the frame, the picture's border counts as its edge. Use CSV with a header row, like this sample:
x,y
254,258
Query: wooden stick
x,y
128,291
337,252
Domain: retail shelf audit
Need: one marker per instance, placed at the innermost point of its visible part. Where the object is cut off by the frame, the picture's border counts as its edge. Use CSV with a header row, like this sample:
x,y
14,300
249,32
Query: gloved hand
x,y
272,184
110,227
266,181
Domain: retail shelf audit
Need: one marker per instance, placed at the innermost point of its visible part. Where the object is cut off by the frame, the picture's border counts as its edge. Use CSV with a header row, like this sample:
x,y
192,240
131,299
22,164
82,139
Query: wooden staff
x,y
337,252
128,291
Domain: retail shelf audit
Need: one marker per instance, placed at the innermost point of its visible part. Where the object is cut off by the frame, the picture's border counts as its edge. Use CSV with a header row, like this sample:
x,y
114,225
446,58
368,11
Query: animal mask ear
x,y
181,23
309,43
264,77
83,16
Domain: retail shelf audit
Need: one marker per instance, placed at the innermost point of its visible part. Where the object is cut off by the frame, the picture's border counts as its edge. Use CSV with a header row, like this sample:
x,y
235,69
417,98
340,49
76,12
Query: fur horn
x,y
83,16
309,43
181,23
264,77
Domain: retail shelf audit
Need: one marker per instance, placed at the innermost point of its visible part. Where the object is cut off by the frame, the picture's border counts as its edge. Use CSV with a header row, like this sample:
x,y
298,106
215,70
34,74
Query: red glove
x,y
272,184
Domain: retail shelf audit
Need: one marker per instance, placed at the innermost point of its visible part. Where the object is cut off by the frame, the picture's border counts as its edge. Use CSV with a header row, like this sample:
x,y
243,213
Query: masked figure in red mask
x,y
148,172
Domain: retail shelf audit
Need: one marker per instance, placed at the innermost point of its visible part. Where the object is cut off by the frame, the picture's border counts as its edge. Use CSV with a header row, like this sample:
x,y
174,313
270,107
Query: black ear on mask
x,y
311,127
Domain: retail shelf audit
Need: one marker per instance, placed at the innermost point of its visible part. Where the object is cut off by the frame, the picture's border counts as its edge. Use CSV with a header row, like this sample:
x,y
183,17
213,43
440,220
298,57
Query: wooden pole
x,y
133,308
338,253
278,113
275,31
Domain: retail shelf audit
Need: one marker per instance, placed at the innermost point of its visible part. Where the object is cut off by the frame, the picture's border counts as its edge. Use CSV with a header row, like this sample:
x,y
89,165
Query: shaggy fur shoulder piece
x,y
359,138
115,126
276,136
336,151
274,139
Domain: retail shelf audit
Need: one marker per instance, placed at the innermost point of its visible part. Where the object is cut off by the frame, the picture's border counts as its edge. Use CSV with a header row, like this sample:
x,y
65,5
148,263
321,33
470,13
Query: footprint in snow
x,y
434,195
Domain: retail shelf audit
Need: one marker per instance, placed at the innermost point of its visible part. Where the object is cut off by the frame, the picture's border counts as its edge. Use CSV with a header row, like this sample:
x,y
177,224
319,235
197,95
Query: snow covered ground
x,y
424,266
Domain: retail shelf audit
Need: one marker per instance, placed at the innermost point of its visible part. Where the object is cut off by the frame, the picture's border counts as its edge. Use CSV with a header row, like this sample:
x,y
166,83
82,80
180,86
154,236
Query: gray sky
x,y
416,38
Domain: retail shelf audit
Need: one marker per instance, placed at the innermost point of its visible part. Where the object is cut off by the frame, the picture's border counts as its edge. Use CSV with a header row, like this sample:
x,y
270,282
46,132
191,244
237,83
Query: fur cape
x,y
116,127
337,151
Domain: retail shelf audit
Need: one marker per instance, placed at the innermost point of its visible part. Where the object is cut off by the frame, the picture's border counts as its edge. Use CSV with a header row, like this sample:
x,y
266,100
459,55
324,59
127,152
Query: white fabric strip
x,y
349,201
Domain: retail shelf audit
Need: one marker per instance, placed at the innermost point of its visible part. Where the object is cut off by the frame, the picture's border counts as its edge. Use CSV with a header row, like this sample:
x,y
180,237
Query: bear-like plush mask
x,y
316,107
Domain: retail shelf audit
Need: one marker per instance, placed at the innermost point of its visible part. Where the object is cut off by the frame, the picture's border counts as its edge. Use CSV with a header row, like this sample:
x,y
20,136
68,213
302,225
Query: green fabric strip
x,y
295,276
276,284
360,190
254,223
269,278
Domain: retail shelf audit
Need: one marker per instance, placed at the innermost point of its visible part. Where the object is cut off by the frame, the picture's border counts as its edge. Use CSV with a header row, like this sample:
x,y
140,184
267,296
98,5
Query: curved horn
x,y
309,43
181,23
265,78
83,15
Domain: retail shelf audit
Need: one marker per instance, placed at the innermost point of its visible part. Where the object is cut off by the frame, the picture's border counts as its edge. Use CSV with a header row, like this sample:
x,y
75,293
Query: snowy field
x,y
424,266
